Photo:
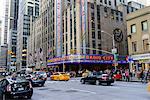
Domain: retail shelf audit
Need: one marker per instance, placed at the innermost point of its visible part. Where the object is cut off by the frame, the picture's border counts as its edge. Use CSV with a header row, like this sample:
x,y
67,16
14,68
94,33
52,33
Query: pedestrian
x,y
142,76
123,74
145,76
148,75
130,75
127,75
133,73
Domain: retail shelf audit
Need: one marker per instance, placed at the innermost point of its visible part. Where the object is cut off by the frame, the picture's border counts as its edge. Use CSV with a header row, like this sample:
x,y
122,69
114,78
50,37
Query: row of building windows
x,y
144,26
145,44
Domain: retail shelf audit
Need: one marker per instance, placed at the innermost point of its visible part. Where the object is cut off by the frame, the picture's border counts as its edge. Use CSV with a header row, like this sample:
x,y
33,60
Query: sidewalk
x,y
134,79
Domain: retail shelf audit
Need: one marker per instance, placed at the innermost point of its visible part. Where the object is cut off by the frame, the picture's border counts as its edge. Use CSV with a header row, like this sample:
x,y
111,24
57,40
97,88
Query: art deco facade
x,y
138,25
100,23
72,29
44,41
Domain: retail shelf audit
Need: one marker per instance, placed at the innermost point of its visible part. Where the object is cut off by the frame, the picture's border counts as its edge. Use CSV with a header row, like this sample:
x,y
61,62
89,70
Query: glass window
x,y
92,6
145,44
134,46
99,34
93,34
144,25
133,28
105,1
105,9
110,3
99,47
94,44
30,10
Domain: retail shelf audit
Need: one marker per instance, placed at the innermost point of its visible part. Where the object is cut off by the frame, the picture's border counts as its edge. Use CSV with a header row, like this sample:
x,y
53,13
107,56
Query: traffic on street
x,y
39,85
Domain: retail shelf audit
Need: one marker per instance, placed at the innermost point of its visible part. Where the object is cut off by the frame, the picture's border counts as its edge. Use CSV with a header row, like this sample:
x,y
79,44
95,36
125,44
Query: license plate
x,y
20,89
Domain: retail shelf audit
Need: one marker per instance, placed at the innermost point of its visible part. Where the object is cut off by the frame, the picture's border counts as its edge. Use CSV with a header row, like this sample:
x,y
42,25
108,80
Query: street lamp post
x,y
114,50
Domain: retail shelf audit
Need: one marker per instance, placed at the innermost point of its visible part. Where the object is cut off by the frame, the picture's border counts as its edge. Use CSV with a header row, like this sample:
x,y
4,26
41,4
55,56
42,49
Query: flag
x,y
35,55
30,58
41,54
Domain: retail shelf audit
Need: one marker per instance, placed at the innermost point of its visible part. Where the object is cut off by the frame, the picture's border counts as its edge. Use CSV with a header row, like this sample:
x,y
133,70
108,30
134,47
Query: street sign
x,y
114,50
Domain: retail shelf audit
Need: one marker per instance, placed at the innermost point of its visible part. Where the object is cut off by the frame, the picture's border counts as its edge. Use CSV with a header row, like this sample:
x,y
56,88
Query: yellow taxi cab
x,y
60,76
148,86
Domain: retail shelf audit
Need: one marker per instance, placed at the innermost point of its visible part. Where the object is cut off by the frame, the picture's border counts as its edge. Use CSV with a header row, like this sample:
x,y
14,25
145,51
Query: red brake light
x,y
9,88
30,84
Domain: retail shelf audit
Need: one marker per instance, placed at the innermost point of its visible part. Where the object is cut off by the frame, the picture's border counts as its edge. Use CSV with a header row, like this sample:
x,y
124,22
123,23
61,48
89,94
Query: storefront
x,y
140,62
91,62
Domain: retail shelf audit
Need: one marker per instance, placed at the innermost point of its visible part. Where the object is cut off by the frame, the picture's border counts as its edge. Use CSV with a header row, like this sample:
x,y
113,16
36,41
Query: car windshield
x,y
97,73
40,73
16,79
62,73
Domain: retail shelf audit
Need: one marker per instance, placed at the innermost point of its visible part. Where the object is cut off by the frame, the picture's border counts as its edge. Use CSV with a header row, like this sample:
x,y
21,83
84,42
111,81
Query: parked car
x,y
97,79
12,87
60,76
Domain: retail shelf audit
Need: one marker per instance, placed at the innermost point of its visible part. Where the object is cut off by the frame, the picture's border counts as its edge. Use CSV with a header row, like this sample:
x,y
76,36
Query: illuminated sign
x,y
85,59
58,27
83,21
82,57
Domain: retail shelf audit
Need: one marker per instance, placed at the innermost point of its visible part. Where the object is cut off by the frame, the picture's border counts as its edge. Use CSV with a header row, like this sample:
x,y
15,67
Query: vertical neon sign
x,y
83,22
58,27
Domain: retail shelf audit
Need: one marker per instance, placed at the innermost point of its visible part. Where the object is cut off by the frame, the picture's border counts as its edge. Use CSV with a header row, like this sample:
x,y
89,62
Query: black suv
x,y
97,78
15,87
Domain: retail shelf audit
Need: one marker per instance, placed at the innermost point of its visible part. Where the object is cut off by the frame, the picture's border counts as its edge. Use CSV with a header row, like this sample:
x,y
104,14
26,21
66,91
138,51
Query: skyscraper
x,y
6,21
12,33
0,31
28,11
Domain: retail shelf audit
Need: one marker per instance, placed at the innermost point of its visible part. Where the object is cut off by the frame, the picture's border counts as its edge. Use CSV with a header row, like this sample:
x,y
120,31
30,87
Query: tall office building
x,y
12,33
28,11
6,21
0,31
3,56
42,35
59,31
142,1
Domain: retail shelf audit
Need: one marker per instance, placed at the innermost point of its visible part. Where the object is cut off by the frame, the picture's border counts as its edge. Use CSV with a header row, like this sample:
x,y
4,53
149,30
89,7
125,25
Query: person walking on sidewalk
x,y
145,76
127,75
142,76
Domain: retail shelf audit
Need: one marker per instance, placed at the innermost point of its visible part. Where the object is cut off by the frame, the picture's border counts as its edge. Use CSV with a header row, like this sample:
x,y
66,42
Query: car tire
x,y
83,81
42,84
3,97
29,97
108,84
97,82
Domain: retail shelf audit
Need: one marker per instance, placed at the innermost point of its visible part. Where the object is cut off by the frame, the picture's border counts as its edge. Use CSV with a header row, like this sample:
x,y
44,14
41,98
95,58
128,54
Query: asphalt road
x,y
74,90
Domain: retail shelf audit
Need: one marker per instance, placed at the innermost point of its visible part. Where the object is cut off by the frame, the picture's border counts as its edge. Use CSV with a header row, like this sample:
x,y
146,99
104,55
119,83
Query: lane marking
x,y
86,91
